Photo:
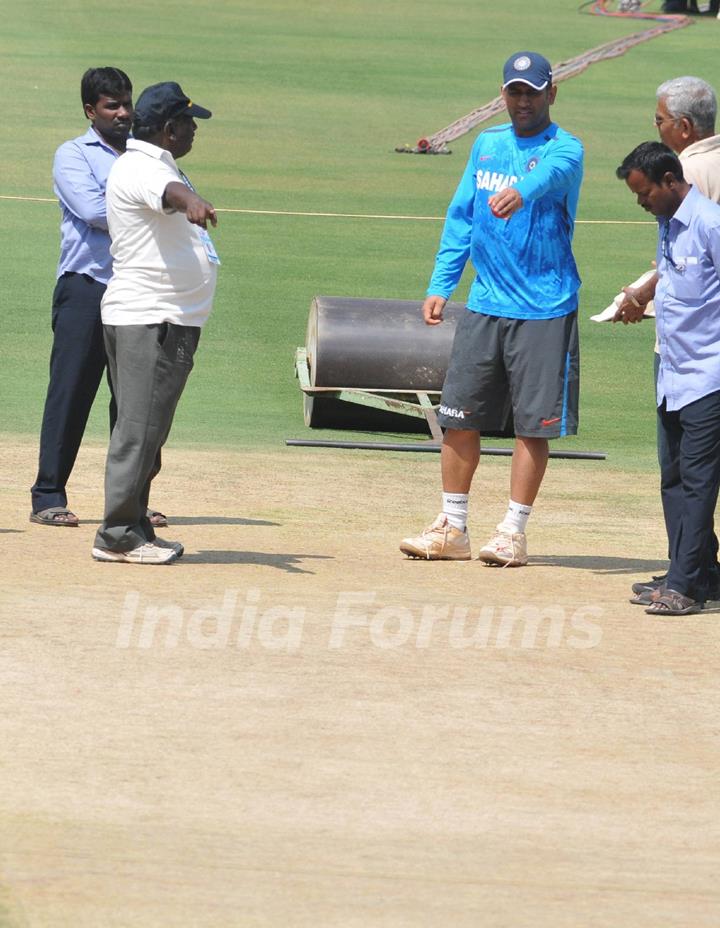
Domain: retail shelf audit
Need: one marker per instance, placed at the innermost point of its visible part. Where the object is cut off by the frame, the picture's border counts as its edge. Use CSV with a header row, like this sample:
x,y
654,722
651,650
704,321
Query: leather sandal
x,y
55,515
670,602
651,584
157,519
647,596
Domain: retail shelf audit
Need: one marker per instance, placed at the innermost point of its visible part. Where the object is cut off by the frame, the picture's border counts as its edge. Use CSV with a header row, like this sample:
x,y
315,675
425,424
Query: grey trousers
x,y
149,366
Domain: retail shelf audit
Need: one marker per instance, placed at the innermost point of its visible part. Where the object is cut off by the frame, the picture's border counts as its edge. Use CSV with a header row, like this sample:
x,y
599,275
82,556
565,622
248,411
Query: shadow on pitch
x,y
217,520
287,562
602,565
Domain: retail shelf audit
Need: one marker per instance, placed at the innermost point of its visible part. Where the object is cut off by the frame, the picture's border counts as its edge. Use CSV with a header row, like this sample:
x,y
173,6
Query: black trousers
x,y
77,362
689,483
666,463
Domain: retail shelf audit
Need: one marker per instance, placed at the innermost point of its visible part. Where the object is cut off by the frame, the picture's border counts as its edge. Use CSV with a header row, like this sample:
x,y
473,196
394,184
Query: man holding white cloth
x,y
686,289
158,299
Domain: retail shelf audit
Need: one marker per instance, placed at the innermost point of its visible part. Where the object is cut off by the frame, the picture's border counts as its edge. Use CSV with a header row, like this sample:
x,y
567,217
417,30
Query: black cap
x,y
160,102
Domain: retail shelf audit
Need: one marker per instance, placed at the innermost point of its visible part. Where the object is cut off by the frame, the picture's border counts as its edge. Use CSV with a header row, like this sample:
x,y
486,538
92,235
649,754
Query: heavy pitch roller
x,y
373,365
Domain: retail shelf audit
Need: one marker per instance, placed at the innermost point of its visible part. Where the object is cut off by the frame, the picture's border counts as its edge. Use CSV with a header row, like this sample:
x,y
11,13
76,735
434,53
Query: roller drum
x,y
374,345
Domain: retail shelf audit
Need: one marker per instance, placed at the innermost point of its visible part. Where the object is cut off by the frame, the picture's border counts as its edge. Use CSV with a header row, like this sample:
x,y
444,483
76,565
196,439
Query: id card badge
x,y
213,256
207,243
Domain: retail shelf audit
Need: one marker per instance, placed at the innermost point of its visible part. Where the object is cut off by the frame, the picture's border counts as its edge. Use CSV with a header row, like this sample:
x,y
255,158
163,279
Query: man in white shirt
x,y
159,297
685,113
685,119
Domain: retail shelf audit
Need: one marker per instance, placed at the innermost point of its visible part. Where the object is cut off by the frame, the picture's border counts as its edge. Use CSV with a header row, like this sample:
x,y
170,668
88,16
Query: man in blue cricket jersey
x,y
686,290
515,356
78,358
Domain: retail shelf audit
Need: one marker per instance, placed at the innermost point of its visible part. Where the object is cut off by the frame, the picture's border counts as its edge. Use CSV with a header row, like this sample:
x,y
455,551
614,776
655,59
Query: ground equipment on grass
x,y
371,365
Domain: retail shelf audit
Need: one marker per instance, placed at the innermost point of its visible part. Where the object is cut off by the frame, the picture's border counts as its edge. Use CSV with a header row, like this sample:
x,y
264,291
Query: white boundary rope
x,y
320,215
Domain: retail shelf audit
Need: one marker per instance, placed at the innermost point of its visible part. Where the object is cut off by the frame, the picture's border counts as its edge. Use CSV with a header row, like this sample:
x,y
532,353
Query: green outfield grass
x,y
310,99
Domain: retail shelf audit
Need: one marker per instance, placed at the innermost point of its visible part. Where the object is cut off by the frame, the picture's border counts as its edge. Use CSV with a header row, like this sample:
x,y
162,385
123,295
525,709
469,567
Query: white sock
x,y
516,517
455,509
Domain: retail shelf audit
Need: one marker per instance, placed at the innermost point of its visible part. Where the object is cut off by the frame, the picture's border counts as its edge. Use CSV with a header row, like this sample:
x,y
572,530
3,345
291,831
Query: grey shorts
x,y
513,376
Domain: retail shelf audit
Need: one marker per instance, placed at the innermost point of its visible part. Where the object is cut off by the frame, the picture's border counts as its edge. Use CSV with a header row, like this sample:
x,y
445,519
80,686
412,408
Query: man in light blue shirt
x,y
78,357
686,290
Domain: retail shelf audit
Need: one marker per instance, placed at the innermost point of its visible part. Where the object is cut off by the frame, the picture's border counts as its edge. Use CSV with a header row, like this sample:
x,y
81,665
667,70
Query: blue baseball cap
x,y
160,102
529,68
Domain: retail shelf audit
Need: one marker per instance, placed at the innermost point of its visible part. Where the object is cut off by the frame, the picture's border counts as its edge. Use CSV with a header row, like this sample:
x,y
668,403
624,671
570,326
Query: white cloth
x,y
161,269
607,314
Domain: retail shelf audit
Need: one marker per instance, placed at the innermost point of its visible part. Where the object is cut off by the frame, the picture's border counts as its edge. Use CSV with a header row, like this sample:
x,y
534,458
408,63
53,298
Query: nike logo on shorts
x,y
550,421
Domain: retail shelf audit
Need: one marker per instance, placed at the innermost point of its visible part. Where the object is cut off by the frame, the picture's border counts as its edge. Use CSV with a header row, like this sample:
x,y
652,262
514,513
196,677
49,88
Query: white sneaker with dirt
x,y
438,542
505,549
175,545
148,553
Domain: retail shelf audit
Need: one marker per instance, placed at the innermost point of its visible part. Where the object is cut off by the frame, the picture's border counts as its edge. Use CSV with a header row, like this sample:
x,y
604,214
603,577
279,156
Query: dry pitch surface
x,y
295,726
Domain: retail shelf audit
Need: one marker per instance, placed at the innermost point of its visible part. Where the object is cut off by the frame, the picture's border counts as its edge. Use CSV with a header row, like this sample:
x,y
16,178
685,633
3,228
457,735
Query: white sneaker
x,y
438,542
507,549
148,553
175,545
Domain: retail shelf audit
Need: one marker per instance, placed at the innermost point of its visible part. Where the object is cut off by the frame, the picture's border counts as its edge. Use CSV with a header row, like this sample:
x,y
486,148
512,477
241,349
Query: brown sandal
x,y
157,519
56,515
647,596
670,602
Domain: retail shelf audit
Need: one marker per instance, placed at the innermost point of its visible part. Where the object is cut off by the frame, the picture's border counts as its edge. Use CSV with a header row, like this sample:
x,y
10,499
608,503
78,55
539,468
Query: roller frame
x,y
391,400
